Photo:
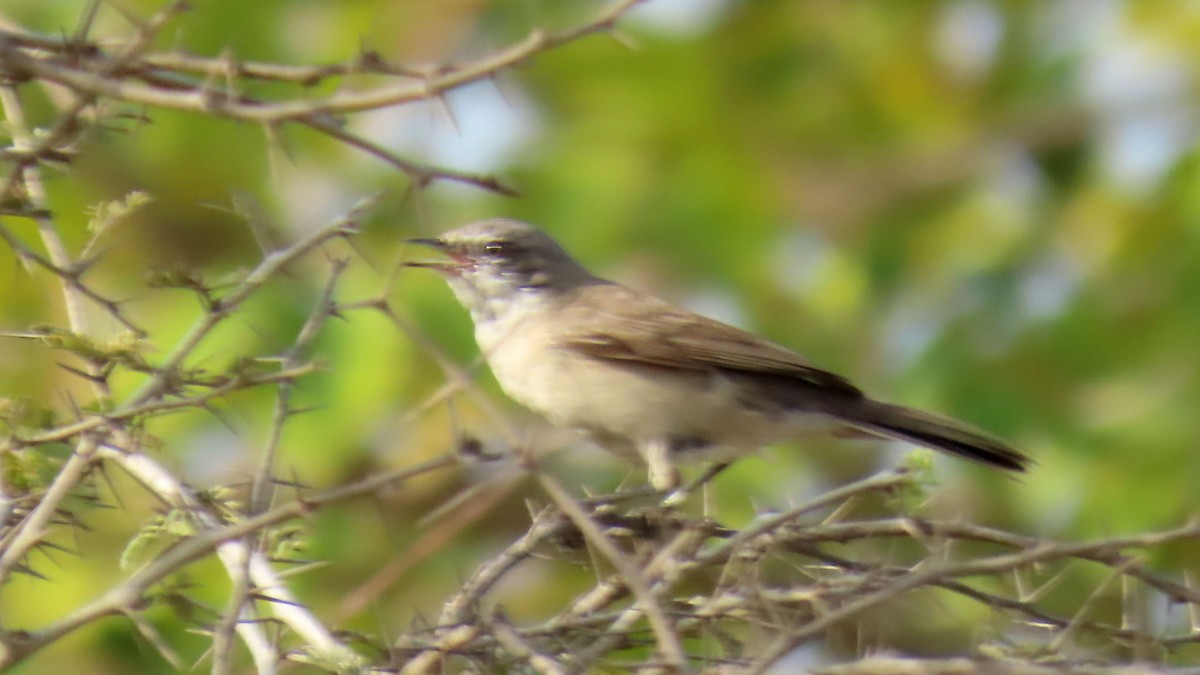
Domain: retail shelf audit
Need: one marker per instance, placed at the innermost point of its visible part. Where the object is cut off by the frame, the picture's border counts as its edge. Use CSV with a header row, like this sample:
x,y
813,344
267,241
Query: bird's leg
x,y
663,474
679,496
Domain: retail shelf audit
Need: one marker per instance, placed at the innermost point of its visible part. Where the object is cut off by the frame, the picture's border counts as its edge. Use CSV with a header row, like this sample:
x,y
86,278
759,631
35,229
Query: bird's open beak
x,y
452,266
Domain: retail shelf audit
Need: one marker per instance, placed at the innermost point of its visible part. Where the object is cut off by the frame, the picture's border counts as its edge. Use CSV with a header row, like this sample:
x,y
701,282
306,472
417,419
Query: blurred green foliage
x,y
987,209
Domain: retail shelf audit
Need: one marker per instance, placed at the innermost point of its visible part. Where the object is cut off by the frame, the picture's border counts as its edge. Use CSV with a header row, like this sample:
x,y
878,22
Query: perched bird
x,y
648,380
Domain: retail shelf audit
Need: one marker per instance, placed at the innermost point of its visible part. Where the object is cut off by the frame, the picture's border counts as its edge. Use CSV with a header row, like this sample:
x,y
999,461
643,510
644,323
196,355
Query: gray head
x,y
495,262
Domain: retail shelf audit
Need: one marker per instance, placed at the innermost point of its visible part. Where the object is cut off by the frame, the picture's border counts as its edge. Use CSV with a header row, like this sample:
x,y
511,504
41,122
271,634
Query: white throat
x,y
497,307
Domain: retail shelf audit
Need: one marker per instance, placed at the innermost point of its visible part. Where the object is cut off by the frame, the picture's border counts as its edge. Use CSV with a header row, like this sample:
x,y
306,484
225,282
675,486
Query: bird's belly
x,y
629,405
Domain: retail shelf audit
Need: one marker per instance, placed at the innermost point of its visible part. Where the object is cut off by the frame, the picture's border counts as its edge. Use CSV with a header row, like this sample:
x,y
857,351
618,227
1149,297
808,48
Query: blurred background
x,y
984,209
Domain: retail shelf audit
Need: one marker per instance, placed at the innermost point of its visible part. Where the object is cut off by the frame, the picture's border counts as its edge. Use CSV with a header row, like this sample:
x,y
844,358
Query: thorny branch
x,y
673,591
101,74
166,81
828,590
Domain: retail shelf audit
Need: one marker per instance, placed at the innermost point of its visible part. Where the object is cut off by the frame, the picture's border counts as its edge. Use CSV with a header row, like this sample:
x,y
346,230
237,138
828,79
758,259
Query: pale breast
x,y
632,403
629,402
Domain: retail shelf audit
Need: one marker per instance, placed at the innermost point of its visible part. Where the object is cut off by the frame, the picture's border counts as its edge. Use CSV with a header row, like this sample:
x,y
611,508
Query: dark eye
x,y
496,247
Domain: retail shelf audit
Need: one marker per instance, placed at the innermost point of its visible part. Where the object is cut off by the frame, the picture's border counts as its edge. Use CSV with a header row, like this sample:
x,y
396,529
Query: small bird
x,y
650,381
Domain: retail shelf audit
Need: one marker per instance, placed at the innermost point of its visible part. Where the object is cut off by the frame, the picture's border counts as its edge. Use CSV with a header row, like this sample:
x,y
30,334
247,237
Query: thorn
x,y
75,371
444,105
625,40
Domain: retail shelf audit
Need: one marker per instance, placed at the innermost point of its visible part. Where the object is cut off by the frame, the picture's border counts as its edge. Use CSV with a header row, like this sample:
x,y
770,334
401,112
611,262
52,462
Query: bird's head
x,y
492,264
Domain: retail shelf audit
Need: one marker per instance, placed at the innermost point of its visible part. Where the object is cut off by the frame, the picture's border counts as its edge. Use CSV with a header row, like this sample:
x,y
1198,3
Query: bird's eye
x,y
494,248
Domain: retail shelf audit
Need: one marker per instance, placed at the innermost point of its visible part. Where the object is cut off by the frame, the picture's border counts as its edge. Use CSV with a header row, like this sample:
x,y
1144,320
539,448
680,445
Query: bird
x,y
650,381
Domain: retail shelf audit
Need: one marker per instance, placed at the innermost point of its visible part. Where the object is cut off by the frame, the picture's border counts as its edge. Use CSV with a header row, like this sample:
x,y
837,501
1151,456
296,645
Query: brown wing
x,y
621,324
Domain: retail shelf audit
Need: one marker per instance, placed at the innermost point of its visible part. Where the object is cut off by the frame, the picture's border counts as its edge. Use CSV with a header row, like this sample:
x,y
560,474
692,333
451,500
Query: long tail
x,y
935,432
